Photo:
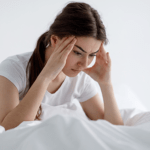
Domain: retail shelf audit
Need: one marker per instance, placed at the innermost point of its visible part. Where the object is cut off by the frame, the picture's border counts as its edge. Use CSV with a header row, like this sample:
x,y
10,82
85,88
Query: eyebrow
x,y
84,50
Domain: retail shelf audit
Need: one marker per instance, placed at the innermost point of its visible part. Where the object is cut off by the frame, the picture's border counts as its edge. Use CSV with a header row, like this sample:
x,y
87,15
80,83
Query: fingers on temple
x,y
65,43
103,52
60,42
69,47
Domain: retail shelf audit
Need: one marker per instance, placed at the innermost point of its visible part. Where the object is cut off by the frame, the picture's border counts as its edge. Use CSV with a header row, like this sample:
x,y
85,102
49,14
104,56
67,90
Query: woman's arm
x,y
101,72
111,111
27,109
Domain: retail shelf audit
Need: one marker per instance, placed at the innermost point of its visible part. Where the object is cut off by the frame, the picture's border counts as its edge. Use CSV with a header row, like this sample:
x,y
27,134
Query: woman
x,y
56,72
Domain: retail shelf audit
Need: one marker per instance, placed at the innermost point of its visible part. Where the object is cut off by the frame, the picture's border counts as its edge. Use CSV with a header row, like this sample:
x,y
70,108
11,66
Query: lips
x,y
75,70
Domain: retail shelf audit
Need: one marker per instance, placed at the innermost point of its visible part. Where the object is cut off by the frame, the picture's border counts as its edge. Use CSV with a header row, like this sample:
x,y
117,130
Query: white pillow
x,y
125,97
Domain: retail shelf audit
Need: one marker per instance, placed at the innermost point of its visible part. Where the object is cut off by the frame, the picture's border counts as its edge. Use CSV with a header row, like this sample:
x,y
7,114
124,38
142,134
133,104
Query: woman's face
x,y
81,56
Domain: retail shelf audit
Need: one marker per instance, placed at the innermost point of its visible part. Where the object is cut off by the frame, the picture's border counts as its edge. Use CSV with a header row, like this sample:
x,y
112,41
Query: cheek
x,y
90,60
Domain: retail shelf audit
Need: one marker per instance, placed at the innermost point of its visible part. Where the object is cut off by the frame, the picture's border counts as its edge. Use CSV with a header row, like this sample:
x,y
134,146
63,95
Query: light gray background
x,y
127,25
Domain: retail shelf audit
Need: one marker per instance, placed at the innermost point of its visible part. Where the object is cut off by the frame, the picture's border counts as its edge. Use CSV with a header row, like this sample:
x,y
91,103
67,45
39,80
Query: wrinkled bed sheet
x,y
66,127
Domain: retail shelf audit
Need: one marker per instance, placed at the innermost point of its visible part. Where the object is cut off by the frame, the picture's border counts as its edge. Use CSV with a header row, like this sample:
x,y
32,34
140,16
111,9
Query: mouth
x,y
75,70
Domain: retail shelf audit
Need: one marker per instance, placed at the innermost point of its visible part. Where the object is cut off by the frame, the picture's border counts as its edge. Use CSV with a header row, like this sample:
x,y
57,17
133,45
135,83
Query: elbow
x,y
121,123
118,123
113,121
4,126
8,126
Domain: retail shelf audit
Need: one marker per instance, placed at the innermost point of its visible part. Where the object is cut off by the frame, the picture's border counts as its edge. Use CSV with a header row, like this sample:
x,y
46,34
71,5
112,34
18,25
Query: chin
x,y
71,73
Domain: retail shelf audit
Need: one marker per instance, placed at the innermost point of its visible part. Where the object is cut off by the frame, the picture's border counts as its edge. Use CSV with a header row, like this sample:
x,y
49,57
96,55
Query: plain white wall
x,y
127,25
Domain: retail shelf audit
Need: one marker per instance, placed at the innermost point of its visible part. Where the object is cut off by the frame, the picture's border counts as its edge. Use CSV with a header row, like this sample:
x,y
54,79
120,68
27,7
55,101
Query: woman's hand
x,y
100,72
57,59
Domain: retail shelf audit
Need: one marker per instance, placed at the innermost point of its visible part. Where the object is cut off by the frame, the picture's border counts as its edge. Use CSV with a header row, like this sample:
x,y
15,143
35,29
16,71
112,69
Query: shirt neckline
x,y
58,89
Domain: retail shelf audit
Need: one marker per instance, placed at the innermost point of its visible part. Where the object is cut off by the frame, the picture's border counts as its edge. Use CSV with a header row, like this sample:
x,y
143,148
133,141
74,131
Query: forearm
x,y
111,111
27,109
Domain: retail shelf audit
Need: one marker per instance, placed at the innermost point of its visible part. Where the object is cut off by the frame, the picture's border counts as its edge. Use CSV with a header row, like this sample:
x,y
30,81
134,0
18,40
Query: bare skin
x,y
61,57
90,45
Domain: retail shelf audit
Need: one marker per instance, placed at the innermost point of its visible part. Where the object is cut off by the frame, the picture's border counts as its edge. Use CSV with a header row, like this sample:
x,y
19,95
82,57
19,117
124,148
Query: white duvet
x,y
66,127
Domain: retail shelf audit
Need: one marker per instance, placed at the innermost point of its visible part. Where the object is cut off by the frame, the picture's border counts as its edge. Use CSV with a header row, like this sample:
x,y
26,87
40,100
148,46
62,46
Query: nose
x,y
83,63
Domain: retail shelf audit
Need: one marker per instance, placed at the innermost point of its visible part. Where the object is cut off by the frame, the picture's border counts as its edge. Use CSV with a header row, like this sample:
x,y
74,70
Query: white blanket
x,y
66,127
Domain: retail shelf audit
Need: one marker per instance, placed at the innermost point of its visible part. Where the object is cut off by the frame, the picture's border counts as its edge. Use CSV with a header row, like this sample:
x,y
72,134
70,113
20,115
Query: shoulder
x,y
19,60
23,57
14,67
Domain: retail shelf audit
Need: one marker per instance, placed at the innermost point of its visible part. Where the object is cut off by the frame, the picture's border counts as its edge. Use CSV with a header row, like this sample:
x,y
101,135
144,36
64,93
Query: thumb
x,y
108,58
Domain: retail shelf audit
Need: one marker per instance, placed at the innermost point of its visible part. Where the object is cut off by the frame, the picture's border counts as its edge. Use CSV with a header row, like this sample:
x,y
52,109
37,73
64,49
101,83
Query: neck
x,y
59,77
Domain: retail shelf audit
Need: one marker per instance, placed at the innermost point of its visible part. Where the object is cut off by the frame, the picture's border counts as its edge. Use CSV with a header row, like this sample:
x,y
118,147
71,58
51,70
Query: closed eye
x,y
77,53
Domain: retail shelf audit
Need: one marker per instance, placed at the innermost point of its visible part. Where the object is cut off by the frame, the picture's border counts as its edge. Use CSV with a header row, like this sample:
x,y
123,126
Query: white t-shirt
x,y
81,87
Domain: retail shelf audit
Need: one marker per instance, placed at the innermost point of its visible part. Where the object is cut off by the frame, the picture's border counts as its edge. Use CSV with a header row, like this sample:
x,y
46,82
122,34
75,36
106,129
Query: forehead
x,y
88,44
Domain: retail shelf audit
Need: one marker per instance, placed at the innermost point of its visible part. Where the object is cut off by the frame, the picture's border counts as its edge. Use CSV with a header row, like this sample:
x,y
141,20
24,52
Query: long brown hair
x,y
76,18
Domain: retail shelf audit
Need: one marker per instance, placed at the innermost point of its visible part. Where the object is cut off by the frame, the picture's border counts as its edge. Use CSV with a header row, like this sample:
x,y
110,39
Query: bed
x,y
66,127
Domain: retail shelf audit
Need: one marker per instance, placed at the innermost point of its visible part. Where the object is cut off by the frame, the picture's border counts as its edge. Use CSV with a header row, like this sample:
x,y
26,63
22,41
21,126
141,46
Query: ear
x,y
54,40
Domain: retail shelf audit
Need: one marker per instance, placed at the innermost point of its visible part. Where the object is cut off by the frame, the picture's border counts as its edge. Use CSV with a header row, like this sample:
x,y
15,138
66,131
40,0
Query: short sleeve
x,y
89,89
13,72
